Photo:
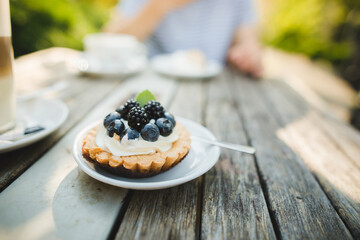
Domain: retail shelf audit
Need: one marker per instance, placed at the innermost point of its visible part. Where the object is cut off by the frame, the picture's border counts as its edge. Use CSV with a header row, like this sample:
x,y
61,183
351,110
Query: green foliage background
x,y
39,24
319,28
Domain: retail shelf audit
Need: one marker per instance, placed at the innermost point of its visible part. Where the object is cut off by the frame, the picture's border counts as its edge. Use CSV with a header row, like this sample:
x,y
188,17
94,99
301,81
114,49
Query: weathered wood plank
x,y
298,206
168,213
336,94
42,68
161,214
234,206
55,200
81,96
328,147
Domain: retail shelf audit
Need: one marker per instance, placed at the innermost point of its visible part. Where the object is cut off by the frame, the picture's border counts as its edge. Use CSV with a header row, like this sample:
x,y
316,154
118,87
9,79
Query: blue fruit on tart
x,y
132,134
165,126
117,127
171,118
128,144
121,111
110,118
150,132
144,117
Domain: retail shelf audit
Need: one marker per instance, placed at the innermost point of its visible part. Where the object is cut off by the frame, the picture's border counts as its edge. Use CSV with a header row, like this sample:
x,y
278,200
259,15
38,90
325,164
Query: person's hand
x,y
247,57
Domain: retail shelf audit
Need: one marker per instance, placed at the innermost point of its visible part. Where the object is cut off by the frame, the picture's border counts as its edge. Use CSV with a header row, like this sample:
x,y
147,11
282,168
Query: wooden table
x,y
303,181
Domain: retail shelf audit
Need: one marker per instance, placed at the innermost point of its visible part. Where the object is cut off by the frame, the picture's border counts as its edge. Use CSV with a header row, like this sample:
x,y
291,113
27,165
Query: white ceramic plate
x,y
163,65
91,66
199,160
48,113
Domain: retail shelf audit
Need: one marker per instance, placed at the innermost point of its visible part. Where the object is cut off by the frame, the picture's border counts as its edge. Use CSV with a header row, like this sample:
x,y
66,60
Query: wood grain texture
x,y
53,199
40,203
42,68
302,183
298,206
169,213
336,94
329,148
81,95
161,214
234,206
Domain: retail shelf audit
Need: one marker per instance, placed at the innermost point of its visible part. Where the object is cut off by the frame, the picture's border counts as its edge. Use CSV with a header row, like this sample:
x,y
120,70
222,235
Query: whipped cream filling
x,y
127,147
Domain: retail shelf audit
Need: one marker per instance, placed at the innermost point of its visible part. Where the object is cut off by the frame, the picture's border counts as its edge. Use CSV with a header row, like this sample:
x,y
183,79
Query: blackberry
x,y
125,109
137,118
154,110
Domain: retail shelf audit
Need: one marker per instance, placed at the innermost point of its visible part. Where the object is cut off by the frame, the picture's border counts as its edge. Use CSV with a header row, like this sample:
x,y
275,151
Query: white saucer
x,y
163,65
199,160
48,113
91,66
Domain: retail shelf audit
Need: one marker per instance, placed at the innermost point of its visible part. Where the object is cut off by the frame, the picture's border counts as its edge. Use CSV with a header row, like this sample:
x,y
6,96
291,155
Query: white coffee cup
x,y
114,49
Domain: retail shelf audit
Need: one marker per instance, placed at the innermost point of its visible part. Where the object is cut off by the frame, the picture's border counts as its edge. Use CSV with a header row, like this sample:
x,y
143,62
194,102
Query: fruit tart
x,y
139,139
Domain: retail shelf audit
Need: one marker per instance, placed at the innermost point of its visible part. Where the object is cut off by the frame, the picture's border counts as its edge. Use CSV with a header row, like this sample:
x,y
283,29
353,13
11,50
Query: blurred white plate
x,y
89,65
163,65
48,113
199,160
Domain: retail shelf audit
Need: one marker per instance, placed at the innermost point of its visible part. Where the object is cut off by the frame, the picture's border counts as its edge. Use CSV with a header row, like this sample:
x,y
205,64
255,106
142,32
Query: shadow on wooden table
x,y
80,202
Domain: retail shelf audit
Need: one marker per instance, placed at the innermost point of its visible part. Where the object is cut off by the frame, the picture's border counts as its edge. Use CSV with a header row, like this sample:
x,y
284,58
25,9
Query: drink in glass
x,y
7,95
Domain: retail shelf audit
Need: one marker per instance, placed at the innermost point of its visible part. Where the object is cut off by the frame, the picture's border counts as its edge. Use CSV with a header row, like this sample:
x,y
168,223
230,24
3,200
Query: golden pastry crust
x,y
137,166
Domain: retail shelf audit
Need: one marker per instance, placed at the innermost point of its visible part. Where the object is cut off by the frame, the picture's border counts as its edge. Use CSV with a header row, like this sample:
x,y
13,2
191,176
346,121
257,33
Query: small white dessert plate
x,y
200,159
91,66
48,113
163,65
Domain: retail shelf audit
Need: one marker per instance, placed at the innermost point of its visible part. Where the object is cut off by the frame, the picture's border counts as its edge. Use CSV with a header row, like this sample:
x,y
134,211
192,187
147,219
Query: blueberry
x,y
132,134
110,131
110,118
165,126
117,126
170,117
120,110
150,132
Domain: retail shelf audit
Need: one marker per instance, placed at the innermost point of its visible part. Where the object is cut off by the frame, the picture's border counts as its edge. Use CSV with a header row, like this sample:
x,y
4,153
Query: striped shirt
x,y
208,25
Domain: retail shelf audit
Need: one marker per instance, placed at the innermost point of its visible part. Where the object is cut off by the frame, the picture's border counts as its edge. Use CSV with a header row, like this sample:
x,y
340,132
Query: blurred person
x,y
221,29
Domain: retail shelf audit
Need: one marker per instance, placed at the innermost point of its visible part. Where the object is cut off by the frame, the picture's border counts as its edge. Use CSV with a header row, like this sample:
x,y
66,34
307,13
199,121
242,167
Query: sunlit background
x,y
321,29
326,31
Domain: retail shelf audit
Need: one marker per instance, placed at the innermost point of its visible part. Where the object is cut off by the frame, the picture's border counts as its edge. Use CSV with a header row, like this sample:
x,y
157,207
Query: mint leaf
x,y
144,97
